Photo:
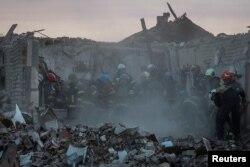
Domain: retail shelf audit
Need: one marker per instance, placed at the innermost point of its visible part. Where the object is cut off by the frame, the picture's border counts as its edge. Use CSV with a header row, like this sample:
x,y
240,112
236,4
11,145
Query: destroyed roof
x,y
179,30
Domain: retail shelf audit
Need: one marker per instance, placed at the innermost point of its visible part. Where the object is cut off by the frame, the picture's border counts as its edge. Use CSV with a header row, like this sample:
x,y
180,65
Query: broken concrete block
x,y
103,138
122,155
80,151
207,144
165,164
111,151
25,160
27,143
119,129
189,153
167,144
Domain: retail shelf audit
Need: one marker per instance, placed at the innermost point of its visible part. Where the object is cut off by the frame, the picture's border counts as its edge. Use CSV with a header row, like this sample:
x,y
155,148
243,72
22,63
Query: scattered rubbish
x,y
167,144
78,151
18,117
103,146
26,159
164,165
207,144
122,156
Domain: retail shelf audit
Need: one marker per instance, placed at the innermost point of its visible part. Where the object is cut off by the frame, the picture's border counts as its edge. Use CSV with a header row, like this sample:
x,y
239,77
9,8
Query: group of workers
x,y
225,92
228,100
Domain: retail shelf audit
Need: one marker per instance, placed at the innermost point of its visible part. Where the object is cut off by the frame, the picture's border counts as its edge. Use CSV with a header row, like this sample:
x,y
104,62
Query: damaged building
x,y
24,59
22,55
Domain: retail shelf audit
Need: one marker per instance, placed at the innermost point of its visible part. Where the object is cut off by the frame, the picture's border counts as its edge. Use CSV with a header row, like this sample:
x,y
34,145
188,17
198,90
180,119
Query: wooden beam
x,y
172,11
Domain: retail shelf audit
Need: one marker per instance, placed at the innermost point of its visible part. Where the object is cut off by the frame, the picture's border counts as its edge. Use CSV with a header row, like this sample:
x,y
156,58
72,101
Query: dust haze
x,y
150,115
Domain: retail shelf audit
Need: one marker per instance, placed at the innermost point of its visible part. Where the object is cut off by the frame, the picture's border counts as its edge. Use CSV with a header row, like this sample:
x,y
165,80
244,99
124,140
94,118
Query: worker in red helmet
x,y
227,100
48,88
51,77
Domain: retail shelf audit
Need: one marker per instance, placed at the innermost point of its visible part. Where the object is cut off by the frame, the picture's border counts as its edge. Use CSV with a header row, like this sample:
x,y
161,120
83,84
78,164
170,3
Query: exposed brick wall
x,y
62,58
204,50
15,56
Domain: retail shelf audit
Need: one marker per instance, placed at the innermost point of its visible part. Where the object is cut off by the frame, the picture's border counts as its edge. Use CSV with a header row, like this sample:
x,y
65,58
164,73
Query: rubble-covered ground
x,y
106,145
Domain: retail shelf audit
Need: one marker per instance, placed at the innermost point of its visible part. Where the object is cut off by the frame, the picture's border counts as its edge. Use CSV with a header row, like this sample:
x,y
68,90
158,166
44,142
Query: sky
x,y
114,20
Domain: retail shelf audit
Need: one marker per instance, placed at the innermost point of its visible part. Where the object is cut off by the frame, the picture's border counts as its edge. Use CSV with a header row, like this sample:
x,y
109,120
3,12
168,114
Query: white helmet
x,y
121,66
145,74
210,72
150,66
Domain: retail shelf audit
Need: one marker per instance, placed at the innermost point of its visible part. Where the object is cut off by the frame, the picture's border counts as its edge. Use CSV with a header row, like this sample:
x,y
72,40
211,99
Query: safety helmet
x,y
210,72
103,77
226,75
151,66
121,66
51,77
145,74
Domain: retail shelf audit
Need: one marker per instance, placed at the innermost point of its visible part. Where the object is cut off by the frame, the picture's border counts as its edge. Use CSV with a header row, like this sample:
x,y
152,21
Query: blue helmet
x,y
103,77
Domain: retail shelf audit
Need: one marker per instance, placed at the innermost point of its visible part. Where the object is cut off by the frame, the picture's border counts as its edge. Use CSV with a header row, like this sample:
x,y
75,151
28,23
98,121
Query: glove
x,y
211,94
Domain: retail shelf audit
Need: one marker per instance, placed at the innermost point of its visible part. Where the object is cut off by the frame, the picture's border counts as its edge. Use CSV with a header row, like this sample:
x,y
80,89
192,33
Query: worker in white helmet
x,y
124,84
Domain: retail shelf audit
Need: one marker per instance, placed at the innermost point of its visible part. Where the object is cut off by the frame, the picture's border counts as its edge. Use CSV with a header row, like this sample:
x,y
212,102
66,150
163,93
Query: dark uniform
x,y
74,96
104,91
124,85
228,100
169,85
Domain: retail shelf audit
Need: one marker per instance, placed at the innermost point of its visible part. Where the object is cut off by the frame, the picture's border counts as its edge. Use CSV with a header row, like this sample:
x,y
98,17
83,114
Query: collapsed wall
x,y
20,66
90,59
220,53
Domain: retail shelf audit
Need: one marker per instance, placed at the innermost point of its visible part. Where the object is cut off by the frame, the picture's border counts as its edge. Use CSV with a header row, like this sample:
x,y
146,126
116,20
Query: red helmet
x,y
226,75
51,77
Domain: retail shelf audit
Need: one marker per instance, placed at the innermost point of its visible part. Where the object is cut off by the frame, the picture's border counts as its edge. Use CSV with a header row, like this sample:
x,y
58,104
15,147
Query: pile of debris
x,y
108,145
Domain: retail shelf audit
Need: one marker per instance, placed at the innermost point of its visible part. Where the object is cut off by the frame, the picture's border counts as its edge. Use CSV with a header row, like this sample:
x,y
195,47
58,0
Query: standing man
x,y
228,101
124,84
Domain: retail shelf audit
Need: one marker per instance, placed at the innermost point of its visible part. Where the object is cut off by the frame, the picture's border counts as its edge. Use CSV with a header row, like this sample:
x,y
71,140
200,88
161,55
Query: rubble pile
x,y
107,145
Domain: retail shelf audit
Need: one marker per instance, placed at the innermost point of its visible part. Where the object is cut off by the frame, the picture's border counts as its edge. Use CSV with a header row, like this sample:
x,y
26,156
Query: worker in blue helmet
x,y
104,90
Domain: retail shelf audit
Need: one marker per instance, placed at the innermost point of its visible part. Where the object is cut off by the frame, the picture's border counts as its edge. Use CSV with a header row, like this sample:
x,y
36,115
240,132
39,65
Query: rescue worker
x,y
73,93
198,80
169,85
155,86
144,85
228,101
210,82
153,71
213,82
121,69
124,84
47,88
104,90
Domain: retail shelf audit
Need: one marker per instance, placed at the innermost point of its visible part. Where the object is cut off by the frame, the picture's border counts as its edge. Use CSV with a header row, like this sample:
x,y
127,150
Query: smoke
x,y
152,115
